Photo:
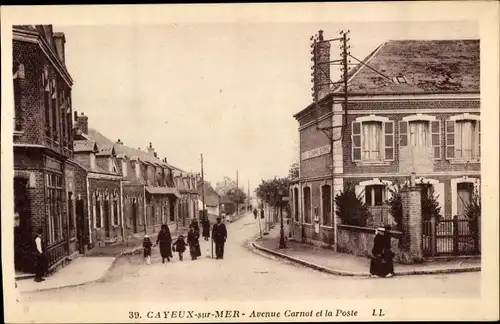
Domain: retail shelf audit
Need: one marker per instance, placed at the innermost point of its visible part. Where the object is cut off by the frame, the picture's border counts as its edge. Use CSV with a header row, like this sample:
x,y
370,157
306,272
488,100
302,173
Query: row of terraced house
x,y
412,106
83,189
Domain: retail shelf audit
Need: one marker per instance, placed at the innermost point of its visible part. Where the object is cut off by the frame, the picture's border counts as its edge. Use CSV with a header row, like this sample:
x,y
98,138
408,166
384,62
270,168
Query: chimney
x,y
154,153
60,41
321,75
119,142
82,123
151,150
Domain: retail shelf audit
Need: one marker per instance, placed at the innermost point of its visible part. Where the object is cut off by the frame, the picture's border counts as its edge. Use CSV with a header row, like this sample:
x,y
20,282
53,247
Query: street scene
x,y
164,163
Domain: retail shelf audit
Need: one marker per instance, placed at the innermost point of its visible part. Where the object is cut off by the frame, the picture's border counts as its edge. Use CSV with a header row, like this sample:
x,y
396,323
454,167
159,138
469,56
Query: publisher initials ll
x,y
380,312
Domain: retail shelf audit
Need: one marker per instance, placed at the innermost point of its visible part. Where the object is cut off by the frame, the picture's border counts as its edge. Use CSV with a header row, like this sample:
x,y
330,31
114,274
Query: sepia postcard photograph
x,y
306,162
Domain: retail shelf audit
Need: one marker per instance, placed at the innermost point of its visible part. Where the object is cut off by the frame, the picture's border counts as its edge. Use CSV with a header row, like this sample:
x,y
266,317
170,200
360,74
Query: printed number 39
x,y
133,315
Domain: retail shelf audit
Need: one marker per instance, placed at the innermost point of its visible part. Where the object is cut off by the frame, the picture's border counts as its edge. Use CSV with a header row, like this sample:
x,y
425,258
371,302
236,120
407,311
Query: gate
x,y
451,237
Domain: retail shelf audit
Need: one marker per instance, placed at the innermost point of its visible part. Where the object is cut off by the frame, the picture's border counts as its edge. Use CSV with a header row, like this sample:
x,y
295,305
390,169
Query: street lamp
x,y
282,229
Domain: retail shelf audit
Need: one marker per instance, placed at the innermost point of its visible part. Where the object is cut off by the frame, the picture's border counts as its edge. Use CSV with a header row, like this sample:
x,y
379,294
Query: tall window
x,y
46,101
463,138
422,133
137,170
17,100
372,139
307,205
55,115
54,207
69,122
115,210
375,195
327,204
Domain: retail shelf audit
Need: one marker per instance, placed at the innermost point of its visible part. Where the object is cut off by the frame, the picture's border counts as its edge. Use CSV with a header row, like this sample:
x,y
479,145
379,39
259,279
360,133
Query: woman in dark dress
x,y
165,241
194,244
381,264
206,228
196,227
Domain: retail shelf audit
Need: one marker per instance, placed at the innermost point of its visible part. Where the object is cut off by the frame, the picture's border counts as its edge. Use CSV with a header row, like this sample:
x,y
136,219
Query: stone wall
x,y
359,241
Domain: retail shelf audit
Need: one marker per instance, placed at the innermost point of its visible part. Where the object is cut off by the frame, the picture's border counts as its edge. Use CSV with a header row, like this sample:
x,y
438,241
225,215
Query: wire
x,y
385,76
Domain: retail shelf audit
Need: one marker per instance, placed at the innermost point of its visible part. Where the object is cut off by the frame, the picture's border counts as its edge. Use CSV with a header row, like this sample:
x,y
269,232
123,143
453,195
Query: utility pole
x,y
202,187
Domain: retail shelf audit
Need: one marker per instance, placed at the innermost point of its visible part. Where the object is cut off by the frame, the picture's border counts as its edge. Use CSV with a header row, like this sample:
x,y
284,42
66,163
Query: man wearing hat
x,y
219,235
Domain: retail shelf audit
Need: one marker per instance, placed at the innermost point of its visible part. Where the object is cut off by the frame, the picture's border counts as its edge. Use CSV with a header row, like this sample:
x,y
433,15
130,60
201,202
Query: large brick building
x,y
417,109
48,190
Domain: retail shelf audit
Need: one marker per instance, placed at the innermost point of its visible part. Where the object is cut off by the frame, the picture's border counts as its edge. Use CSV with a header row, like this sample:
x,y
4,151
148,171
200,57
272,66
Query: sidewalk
x,y
349,265
86,269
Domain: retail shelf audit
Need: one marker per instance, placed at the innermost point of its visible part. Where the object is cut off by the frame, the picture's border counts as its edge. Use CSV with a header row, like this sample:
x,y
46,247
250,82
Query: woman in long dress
x,y
381,264
165,241
194,244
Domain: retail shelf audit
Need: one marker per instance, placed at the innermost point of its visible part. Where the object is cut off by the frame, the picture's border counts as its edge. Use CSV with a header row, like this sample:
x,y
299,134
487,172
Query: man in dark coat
x,y
40,265
206,228
165,241
219,235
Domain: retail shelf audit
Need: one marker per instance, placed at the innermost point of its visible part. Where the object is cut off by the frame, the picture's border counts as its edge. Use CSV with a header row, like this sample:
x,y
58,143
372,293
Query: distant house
x,y
227,205
212,198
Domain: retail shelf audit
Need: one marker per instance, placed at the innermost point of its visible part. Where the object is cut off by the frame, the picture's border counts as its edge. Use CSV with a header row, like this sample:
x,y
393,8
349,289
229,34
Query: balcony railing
x,y
380,214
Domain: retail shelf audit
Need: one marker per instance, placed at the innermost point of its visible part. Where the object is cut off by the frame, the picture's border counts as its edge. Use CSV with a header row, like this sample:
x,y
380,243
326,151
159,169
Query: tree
x,y
350,208
237,195
269,190
293,172
222,187
473,212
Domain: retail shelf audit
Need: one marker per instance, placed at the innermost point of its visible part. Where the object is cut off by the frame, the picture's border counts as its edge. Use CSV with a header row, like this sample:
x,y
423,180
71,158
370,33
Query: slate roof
x,y
132,153
430,66
84,146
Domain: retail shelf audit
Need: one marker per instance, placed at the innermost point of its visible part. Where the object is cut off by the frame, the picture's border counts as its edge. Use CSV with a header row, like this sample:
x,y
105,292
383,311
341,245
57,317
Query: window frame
x,y
477,137
385,138
434,146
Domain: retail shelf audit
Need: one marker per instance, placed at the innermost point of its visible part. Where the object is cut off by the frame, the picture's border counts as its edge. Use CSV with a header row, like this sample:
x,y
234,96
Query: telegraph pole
x,y
202,187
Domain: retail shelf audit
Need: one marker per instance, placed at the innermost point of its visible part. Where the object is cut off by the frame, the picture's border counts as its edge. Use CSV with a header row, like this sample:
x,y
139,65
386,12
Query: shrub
x,y
473,212
350,208
430,205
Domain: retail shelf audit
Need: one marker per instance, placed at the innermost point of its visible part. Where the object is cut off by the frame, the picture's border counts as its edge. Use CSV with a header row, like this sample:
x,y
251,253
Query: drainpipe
x,y
88,209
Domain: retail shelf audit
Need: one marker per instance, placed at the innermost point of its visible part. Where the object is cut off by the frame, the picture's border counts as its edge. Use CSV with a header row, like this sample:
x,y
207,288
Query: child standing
x,y
179,246
147,244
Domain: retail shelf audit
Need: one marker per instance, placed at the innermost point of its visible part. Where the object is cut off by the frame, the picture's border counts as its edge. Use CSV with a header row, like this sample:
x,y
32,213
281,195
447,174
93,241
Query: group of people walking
x,y
164,241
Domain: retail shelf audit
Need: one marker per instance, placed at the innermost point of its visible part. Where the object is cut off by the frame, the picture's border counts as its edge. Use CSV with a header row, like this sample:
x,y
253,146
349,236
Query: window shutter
x,y
478,139
403,133
450,139
356,141
389,140
436,138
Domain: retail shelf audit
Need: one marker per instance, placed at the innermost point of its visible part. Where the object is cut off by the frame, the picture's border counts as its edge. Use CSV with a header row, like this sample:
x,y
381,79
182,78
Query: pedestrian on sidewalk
x,y
195,225
194,244
147,244
219,236
206,228
165,241
381,264
40,264
179,246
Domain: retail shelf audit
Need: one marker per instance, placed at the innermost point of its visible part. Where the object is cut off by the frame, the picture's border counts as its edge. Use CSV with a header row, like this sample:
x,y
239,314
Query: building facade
x,y
47,183
420,113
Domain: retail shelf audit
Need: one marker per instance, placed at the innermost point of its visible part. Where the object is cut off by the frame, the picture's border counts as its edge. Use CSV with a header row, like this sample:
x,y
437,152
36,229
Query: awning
x,y
163,191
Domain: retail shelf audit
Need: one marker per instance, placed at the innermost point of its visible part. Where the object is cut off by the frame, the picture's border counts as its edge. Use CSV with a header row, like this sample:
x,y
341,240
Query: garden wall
x,y
359,241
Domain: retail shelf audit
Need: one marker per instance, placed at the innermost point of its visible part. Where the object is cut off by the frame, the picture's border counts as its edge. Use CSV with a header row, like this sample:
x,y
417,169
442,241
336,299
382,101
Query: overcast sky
x,y
225,90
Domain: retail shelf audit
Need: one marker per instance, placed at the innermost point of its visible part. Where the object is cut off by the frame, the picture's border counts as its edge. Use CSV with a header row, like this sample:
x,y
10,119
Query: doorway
x,y
22,234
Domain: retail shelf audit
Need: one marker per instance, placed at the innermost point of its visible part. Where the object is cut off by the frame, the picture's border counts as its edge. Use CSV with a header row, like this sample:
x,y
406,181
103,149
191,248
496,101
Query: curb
x,y
362,274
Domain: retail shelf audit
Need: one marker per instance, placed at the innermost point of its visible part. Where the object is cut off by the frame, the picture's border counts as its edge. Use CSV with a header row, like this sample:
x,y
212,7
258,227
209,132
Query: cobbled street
x,y
245,275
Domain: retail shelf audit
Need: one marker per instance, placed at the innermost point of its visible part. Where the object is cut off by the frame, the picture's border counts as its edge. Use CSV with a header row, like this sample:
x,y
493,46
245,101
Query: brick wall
x,y
105,186
412,225
439,165
30,56
133,191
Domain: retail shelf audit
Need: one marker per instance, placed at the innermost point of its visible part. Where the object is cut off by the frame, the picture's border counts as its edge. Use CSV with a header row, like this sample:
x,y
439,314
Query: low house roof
x,y
163,191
